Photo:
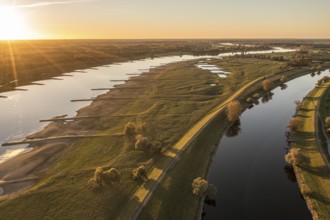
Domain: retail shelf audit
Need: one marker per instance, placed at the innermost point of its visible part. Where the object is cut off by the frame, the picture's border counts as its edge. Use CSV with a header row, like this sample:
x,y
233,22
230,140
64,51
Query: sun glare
x,y
13,25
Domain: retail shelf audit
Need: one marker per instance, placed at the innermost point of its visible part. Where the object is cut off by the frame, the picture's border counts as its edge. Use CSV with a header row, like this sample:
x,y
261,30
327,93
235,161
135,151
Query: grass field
x,y
164,107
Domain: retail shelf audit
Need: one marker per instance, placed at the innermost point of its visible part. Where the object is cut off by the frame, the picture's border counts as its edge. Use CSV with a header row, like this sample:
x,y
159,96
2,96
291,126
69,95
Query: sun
x,y
13,25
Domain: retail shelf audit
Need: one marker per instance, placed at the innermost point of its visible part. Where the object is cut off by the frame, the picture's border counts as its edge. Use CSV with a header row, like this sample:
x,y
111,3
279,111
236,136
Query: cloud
x,y
42,4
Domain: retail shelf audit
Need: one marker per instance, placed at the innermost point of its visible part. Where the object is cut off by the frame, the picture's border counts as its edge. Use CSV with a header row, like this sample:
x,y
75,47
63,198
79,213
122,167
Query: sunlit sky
x,y
94,19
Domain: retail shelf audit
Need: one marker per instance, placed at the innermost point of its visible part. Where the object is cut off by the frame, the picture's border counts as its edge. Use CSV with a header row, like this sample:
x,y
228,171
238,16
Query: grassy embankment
x,y
162,103
313,172
173,198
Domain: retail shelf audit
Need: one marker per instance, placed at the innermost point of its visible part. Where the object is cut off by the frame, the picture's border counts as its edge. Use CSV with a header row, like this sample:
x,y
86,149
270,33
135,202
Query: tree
x,y
130,129
142,143
199,186
140,173
294,157
108,177
283,79
233,111
112,175
294,124
267,85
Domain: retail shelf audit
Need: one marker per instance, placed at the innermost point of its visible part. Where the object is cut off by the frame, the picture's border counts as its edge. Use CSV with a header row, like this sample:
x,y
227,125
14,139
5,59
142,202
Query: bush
x,y
142,143
294,124
233,111
130,129
140,173
267,85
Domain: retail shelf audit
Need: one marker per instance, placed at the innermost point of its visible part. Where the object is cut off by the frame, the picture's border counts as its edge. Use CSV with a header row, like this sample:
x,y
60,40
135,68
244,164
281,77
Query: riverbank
x,y
197,159
313,171
153,105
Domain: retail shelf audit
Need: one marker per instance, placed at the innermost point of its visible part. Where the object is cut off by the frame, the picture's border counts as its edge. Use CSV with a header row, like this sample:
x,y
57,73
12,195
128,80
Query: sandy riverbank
x,y
23,171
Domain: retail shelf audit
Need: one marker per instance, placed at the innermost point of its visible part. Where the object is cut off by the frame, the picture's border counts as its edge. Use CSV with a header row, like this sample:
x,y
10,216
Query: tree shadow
x,y
321,171
289,171
283,86
267,97
319,197
234,129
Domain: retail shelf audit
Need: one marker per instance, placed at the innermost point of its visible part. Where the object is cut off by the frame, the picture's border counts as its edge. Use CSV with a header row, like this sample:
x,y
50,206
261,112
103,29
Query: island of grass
x,y
159,105
309,149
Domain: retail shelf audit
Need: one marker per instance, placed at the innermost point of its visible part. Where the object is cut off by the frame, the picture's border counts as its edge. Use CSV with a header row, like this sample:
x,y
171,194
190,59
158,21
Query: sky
x,y
145,19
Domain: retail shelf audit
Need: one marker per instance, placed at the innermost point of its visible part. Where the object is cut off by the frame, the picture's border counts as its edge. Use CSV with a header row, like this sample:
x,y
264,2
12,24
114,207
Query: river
x,y
21,110
253,180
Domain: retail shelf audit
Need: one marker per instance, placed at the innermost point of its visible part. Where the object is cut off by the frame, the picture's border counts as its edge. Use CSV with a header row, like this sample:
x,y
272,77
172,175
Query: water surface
x,y
253,180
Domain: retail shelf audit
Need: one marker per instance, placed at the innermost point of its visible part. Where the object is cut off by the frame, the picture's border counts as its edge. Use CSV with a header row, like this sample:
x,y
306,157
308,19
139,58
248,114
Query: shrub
x,y
233,111
284,79
294,124
130,129
140,173
142,143
242,73
267,85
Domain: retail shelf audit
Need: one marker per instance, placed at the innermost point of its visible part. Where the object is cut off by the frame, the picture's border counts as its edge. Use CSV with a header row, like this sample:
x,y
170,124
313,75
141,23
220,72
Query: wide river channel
x,y
253,180
21,111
